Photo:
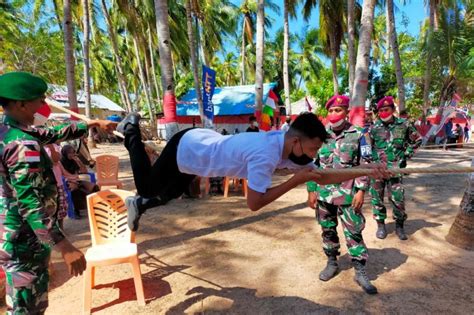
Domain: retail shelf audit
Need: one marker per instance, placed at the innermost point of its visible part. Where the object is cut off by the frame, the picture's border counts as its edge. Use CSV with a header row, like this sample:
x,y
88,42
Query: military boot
x,y
381,230
400,231
361,277
330,270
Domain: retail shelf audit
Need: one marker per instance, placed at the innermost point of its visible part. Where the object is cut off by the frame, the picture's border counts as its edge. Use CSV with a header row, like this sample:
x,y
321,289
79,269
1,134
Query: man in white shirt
x,y
286,126
206,153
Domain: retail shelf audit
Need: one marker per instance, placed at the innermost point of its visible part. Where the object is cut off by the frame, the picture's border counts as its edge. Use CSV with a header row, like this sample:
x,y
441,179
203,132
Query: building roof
x,y
228,100
59,93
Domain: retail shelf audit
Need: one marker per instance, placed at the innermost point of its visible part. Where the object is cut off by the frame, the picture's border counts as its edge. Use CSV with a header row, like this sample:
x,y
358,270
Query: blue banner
x,y
208,85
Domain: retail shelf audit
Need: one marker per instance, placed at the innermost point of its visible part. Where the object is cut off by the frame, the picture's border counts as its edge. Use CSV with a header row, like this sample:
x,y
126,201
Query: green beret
x,y
22,86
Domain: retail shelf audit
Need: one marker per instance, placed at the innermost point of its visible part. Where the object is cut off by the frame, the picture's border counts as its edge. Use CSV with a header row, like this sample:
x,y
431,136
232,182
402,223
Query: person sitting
x,y
71,167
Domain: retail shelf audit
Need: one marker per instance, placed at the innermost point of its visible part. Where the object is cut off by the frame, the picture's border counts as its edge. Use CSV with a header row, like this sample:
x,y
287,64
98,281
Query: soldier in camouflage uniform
x,y
345,148
394,141
28,206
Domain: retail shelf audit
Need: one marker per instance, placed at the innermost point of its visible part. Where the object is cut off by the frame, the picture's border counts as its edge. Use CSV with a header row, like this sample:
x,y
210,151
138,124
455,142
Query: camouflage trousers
x,y
353,224
396,195
27,284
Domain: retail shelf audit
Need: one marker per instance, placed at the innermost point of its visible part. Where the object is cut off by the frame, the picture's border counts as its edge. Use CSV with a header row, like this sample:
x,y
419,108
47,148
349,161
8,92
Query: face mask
x,y
385,116
255,124
299,160
41,116
336,120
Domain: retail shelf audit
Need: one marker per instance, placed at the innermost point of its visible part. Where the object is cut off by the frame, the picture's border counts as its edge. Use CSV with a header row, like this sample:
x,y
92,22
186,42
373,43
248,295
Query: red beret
x,y
338,100
385,101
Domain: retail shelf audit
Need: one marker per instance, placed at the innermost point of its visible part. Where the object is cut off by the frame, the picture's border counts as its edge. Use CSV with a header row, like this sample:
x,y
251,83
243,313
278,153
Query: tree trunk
x,y
87,78
145,88
57,14
362,66
194,62
429,56
387,33
153,69
396,55
242,54
260,47
351,43
286,77
118,59
166,63
461,233
332,44
69,54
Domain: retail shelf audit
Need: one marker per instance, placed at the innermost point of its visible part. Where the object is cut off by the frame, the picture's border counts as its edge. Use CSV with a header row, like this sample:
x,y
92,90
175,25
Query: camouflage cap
x,y
338,100
21,86
385,101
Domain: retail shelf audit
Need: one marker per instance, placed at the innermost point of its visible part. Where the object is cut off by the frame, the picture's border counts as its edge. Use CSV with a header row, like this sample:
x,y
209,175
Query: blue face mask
x,y
300,160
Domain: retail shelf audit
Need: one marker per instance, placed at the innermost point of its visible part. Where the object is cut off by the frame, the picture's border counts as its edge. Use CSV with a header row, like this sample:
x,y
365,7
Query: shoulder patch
x,y
32,156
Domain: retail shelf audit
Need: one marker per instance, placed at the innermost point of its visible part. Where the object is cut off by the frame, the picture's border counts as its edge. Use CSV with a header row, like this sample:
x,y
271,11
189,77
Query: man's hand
x,y
74,259
106,125
358,201
312,199
306,175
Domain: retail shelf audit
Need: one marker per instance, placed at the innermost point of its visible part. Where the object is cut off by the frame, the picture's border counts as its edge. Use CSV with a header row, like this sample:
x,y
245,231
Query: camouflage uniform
x,y
341,151
28,209
393,143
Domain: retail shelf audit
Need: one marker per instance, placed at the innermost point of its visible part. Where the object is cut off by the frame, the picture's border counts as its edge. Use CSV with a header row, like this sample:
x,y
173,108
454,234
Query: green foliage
x,y
321,90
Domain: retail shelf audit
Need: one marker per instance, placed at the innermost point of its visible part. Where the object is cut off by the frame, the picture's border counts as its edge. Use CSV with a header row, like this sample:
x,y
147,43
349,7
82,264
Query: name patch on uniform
x,y
32,156
29,142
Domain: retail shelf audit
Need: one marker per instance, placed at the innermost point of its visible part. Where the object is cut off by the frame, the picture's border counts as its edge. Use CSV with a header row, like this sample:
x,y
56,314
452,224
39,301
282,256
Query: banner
x,y
208,85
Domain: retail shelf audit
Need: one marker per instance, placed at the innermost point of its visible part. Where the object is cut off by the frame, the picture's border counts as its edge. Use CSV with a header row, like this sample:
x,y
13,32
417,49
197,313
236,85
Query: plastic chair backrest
x,y
108,217
107,167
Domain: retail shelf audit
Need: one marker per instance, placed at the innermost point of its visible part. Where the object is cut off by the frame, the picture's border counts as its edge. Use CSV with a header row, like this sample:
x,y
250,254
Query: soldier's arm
x,y
60,133
414,140
23,161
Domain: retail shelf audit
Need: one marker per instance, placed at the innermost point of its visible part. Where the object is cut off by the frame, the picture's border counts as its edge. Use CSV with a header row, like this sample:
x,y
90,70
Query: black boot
x,y
400,231
361,277
381,230
136,206
330,270
132,118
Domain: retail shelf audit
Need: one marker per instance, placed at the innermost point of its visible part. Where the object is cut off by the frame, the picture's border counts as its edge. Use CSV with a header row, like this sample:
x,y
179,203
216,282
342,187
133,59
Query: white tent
x,y
301,106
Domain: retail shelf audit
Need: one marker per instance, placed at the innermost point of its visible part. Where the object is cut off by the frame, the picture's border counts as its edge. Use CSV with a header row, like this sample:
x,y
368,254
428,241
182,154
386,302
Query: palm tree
x,y
362,66
194,62
289,10
429,56
396,55
259,72
117,57
69,55
309,64
351,42
166,63
331,29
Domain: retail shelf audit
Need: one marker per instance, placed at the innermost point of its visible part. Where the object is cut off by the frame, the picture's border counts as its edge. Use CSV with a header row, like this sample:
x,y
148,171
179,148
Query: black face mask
x,y
300,160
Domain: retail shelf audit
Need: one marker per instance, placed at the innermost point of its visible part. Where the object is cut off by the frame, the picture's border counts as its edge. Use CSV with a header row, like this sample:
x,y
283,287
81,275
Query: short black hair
x,y
252,118
309,126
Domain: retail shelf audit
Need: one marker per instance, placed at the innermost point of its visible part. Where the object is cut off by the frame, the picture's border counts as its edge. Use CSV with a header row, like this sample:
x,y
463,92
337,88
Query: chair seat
x,y
114,251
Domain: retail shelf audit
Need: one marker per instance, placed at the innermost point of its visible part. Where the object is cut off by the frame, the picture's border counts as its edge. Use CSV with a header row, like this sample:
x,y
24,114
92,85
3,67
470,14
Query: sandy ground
x,y
215,256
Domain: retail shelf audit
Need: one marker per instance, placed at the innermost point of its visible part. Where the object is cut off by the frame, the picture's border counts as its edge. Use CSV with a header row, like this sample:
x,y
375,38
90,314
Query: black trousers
x,y
162,179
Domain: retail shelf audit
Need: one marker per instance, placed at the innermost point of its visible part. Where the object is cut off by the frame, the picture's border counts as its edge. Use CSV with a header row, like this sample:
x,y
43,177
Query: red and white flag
x,y
32,156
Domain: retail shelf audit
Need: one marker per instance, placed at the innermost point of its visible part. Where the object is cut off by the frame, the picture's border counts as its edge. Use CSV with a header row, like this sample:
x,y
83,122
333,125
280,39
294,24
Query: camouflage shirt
x,y
28,195
395,142
341,151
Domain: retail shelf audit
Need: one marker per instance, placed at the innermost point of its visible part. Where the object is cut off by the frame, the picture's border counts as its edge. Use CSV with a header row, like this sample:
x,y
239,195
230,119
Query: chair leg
x,y
226,186
137,279
92,277
207,186
244,187
87,291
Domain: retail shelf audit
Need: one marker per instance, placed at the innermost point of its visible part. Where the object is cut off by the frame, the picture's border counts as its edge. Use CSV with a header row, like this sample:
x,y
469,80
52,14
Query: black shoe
x,y
132,118
330,270
400,231
381,230
133,214
362,279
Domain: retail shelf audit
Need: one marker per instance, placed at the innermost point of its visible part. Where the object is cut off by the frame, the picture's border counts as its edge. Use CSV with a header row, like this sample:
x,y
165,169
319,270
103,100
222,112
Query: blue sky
x,y
414,10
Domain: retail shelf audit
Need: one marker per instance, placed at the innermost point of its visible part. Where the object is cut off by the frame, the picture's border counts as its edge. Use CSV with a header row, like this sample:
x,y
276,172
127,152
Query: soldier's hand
x,y
306,175
358,201
312,199
74,258
106,125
